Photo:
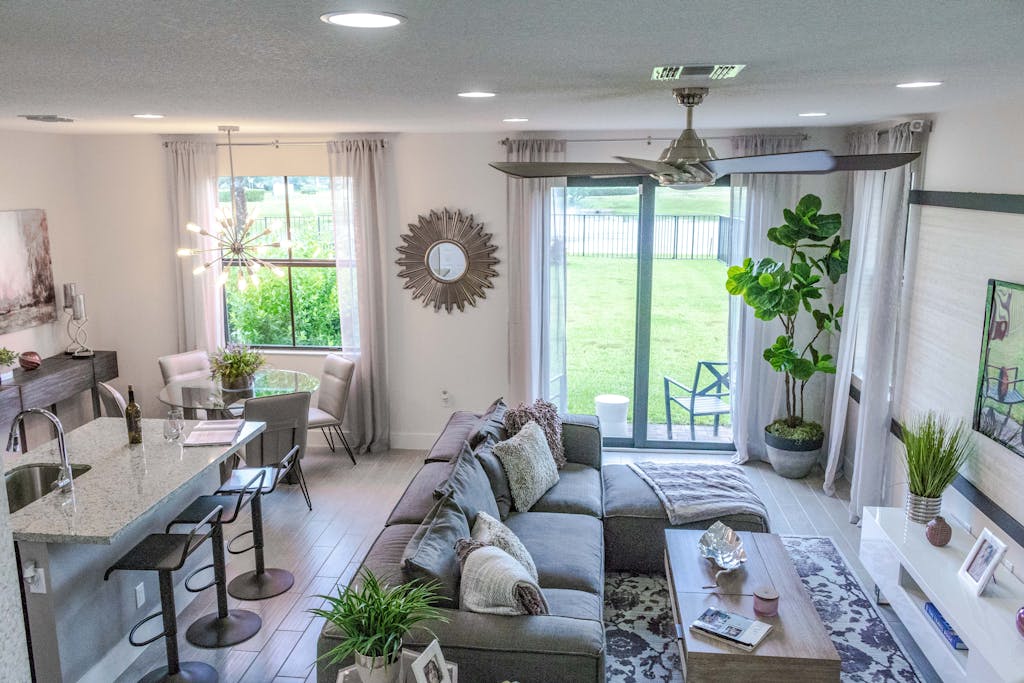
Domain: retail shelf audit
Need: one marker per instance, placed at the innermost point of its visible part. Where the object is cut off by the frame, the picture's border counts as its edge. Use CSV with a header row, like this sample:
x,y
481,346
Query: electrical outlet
x,y
445,397
37,582
140,595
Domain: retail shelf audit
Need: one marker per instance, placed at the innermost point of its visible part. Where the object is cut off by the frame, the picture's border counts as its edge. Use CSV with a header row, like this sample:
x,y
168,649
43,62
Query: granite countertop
x,y
124,484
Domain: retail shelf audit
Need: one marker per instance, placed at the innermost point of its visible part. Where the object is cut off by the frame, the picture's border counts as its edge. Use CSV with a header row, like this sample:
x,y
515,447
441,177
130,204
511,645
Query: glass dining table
x,y
207,394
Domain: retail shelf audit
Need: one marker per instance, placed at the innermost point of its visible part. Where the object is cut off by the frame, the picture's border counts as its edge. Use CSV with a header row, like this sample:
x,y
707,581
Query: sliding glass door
x,y
646,309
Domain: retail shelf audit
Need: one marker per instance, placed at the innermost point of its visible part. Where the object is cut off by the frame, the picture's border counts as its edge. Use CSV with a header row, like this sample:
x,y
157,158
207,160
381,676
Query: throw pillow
x,y
490,531
544,414
496,475
491,424
493,582
528,464
470,487
430,554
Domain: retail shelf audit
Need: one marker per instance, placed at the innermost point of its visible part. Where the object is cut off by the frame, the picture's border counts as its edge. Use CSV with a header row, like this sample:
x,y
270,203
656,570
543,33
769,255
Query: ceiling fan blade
x,y
650,166
814,161
560,169
873,162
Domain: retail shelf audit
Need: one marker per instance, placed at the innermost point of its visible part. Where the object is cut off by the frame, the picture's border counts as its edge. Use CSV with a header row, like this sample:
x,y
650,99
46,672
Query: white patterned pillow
x,y
528,464
490,531
494,582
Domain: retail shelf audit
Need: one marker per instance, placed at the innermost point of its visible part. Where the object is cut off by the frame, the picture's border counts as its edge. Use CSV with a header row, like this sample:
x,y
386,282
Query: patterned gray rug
x,y
640,629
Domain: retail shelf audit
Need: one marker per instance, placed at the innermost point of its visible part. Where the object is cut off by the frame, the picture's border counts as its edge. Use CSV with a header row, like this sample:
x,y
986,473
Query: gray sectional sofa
x,y
567,533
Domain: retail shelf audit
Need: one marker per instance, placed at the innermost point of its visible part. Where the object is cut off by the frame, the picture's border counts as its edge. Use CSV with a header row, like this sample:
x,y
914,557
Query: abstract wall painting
x,y
27,297
999,402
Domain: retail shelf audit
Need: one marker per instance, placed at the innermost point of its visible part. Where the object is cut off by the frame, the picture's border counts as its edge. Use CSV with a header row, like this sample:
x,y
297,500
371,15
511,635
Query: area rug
x,y
640,630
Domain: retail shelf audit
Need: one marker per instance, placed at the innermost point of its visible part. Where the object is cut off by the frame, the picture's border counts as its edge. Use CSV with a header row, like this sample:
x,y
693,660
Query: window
x,y
299,308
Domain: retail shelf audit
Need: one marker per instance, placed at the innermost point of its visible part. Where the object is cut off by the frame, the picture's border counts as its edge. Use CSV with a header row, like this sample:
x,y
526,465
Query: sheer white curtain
x,y
874,283
360,191
536,257
757,204
192,170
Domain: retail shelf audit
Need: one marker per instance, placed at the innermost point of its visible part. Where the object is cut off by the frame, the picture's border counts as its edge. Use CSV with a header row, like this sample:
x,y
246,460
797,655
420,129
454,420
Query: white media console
x,y
909,571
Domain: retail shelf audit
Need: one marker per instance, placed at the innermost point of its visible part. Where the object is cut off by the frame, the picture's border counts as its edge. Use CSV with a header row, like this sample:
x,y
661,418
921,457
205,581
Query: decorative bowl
x,y
723,546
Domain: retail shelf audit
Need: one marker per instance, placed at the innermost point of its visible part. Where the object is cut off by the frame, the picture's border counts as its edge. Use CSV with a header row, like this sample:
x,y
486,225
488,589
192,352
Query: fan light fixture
x,y
919,84
363,19
236,241
476,94
813,114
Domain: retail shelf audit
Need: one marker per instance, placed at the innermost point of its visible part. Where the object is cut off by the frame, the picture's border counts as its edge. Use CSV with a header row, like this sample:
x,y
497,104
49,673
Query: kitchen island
x,y
78,623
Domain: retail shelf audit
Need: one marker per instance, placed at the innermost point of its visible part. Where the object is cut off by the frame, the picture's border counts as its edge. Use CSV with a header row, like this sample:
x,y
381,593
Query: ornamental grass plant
x,y
235,362
937,447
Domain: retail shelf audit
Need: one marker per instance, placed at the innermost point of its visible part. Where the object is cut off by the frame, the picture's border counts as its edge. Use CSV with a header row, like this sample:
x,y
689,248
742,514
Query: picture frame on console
x,y
430,666
981,563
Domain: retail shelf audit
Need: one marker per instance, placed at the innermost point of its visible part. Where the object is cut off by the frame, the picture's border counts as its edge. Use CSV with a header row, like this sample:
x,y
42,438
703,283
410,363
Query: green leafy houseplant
x,y
7,357
937,448
374,616
783,290
235,362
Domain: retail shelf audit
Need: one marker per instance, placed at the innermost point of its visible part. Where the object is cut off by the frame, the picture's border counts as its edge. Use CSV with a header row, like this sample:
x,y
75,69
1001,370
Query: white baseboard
x,y
413,440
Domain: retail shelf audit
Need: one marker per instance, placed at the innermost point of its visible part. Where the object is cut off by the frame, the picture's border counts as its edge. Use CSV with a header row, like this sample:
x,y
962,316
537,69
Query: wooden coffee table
x,y
798,648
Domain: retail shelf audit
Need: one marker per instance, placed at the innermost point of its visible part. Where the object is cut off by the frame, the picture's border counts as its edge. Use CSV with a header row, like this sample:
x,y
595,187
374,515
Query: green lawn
x,y
708,201
689,323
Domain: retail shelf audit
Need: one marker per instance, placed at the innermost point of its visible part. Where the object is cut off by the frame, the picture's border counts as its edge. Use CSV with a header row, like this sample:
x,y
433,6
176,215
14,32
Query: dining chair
x,y
111,399
329,412
188,365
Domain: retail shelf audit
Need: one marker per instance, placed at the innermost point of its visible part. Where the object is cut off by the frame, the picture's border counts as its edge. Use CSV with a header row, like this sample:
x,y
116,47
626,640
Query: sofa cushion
x,y
490,531
420,496
545,414
578,491
470,487
494,582
528,463
496,475
491,424
430,553
455,433
567,549
564,602
385,556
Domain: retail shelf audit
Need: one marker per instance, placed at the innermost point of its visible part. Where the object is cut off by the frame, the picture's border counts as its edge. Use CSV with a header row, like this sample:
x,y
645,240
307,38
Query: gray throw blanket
x,y
694,492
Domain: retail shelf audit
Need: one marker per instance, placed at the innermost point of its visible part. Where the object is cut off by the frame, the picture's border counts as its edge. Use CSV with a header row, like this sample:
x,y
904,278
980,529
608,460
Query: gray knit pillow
x,y
490,531
544,414
528,464
494,582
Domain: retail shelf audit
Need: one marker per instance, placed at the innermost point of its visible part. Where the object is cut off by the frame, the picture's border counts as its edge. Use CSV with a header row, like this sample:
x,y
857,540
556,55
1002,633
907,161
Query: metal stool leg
x,y
344,442
224,627
262,583
175,671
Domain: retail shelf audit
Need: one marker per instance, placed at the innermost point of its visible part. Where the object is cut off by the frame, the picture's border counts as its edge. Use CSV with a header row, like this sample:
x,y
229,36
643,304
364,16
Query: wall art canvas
x,y
999,403
27,297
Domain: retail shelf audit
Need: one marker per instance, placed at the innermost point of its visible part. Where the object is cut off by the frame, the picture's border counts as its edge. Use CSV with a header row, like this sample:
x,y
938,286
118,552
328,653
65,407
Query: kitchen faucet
x,y
63,483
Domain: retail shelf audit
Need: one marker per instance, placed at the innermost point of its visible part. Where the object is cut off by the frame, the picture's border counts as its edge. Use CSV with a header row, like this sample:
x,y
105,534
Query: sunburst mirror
x,y
448,260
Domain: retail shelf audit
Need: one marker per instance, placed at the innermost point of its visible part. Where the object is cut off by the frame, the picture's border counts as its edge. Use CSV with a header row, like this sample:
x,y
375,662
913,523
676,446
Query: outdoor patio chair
x,y
700,400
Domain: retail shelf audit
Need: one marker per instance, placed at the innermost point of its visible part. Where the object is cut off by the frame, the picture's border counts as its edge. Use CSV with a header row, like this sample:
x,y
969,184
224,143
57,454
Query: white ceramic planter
x,y
376,669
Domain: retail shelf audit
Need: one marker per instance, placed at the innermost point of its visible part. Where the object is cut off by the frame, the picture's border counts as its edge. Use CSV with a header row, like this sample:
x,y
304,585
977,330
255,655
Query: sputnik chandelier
x,y
238,243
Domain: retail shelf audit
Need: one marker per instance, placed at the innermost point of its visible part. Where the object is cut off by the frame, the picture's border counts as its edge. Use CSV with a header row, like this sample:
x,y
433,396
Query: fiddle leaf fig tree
x,y
785,290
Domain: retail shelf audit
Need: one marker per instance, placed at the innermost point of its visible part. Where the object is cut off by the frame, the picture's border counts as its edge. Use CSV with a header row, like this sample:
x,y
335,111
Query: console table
x,y
58,378
909,571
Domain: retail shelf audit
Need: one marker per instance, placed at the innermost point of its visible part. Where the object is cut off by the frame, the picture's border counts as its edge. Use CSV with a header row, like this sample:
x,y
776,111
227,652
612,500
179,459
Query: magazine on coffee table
x,y
214,433
732,629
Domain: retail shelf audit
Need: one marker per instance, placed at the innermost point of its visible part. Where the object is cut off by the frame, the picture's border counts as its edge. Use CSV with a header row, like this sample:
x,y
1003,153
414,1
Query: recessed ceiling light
x,y
147,116
812,114
476,94
363,19
515,119
919,84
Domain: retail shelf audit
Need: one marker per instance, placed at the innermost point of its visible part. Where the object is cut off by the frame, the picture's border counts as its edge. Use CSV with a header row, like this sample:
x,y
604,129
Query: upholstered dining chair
x,y
286,416
188,365
111,400
329,412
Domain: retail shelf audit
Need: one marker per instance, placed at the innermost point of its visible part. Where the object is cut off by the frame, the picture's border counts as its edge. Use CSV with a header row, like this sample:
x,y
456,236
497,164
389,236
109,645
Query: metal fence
x,y
675,237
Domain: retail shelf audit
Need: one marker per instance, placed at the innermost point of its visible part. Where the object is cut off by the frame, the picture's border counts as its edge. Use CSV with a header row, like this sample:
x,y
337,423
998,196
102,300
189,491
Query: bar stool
x,y
224,627
164,554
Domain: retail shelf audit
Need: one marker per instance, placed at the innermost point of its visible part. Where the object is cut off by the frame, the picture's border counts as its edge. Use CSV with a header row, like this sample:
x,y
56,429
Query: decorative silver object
x,y
723,546
922,510
448,260
74,306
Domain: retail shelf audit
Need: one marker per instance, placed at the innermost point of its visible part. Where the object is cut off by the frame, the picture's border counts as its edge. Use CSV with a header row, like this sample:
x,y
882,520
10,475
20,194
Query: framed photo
x,y
430,666
982,561
999,399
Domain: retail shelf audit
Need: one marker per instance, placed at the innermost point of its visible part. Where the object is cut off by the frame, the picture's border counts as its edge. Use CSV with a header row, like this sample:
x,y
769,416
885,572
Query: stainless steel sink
x,y
29,483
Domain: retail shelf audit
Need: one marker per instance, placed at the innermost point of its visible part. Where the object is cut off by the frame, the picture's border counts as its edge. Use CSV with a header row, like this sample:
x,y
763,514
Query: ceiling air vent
x,y
714,72
47,118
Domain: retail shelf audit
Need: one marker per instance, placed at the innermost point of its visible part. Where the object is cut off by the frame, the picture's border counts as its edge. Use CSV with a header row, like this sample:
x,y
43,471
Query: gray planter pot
x,y
922,510
792,459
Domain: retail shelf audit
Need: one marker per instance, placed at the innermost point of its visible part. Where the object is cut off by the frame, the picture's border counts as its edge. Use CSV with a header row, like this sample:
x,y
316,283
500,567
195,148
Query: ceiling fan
x,y
689,163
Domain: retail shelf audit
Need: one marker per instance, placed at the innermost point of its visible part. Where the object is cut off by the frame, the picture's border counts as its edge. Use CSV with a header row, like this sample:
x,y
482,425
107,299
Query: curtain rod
x,y
649,139
271,143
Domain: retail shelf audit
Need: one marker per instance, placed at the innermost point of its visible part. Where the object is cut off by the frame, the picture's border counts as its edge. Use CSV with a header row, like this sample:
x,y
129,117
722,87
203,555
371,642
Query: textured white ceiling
x,y
272,66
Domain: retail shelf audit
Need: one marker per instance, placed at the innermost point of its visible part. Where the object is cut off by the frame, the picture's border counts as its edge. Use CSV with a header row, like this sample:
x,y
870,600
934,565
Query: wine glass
x,y
174,424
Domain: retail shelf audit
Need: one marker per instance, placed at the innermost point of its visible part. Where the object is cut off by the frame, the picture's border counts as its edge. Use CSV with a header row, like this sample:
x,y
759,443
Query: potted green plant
x,y
8,361
789,291
372,618
936,449
235,366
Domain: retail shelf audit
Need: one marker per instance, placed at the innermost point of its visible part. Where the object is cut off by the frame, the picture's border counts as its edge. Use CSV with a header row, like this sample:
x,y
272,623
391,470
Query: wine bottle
x,y
133,418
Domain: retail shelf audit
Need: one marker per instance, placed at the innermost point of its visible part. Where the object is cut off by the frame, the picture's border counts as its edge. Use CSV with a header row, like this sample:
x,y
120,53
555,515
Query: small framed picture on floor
x,y
982,561
430,666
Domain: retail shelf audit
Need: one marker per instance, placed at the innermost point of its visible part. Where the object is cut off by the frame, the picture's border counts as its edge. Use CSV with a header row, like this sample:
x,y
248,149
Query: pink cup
x,y
766,601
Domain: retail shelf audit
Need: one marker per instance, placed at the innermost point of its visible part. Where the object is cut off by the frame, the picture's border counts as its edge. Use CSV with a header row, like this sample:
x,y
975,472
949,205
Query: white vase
x,y
7,372
377,669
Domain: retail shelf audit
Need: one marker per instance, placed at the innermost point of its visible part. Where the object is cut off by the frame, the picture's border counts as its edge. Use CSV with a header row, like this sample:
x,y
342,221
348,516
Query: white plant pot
x,y
7,372
377,669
